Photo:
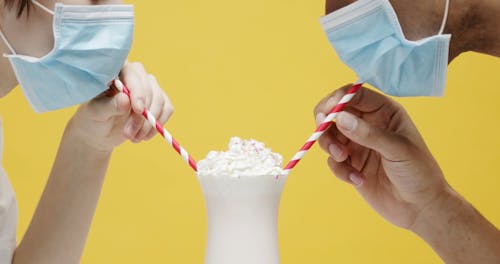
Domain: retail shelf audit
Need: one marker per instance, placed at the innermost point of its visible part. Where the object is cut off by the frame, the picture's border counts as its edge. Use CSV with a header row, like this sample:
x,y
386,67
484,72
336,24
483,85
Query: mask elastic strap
x,y
7,43
2,36
445,18
44,8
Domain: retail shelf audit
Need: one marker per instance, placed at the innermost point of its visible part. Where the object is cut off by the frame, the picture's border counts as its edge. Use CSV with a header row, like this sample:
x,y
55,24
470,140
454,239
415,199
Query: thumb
x,y
388,144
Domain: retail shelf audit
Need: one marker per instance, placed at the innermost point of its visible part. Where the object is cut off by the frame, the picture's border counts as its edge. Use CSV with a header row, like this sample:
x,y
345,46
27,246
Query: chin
x,y
5,91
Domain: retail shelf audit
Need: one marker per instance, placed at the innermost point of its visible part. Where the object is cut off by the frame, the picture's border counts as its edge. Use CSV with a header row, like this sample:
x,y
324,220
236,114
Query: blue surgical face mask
x,y
91,44
368,38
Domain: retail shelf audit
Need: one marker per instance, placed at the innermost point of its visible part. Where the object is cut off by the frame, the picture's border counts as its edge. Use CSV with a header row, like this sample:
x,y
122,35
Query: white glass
x,y
242,219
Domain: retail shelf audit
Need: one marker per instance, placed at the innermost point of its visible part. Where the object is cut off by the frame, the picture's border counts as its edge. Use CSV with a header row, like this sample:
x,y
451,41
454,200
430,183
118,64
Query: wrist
x,y
433,220
457,232
74,136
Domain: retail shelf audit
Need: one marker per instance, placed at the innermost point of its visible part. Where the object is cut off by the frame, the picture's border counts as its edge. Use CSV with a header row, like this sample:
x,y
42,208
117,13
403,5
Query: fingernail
x,y
319,118
355,179
347,121
335,150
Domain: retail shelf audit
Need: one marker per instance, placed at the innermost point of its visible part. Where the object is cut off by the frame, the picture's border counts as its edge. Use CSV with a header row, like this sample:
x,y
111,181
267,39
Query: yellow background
x,y
255,69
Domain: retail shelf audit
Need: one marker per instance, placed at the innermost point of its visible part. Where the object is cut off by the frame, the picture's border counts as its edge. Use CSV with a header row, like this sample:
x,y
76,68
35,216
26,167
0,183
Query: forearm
x,y
60,225
458,232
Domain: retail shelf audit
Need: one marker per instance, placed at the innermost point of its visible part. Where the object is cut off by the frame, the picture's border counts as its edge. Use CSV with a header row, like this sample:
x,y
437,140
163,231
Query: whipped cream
x,y
245,158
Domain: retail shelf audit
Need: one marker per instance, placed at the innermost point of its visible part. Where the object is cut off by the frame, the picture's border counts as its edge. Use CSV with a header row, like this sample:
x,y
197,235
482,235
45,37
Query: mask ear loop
x,y
44,8
7,43
2,36
445,18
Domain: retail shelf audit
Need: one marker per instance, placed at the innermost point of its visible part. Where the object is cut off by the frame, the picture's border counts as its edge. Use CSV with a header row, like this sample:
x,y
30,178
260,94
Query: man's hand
x,y
376,147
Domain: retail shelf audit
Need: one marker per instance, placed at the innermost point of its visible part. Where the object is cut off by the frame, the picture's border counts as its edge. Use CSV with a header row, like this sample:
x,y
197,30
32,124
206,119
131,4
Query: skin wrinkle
x,y
393,121
428,206
363,162
366,161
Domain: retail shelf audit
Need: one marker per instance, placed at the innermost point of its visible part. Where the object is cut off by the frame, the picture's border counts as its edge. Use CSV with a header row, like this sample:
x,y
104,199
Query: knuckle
x,y
166,114
160,101
151,77
399,109
169,109
369,133
406,146
320,107
317,109
322,142
136,64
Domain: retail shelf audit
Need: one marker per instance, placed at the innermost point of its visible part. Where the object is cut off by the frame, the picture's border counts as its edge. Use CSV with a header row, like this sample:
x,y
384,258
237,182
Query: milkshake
x,y
242,189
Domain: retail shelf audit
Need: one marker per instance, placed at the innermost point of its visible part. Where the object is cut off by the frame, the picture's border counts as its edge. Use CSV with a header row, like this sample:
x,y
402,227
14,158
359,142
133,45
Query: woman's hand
x,y
108,120
376,147
81,163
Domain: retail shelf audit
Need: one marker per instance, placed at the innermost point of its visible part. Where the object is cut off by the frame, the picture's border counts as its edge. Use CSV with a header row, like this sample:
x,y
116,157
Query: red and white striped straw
x,y
163,132
322,127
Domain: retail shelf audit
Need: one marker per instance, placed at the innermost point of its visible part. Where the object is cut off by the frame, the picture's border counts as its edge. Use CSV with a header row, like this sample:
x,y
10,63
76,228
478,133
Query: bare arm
x,y
419,198
59,228
60,225
375,146
458,232
473,24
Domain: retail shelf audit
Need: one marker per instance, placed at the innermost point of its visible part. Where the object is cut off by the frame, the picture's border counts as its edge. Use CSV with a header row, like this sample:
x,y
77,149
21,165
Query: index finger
x,y
365,100
132,75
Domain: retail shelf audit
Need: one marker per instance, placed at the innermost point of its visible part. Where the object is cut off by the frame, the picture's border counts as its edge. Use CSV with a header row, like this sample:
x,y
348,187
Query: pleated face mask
x,y
91,44
368,38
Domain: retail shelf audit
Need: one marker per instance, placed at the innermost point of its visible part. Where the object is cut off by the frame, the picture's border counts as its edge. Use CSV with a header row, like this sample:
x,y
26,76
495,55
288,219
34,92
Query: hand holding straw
x,y
163,132
322,127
